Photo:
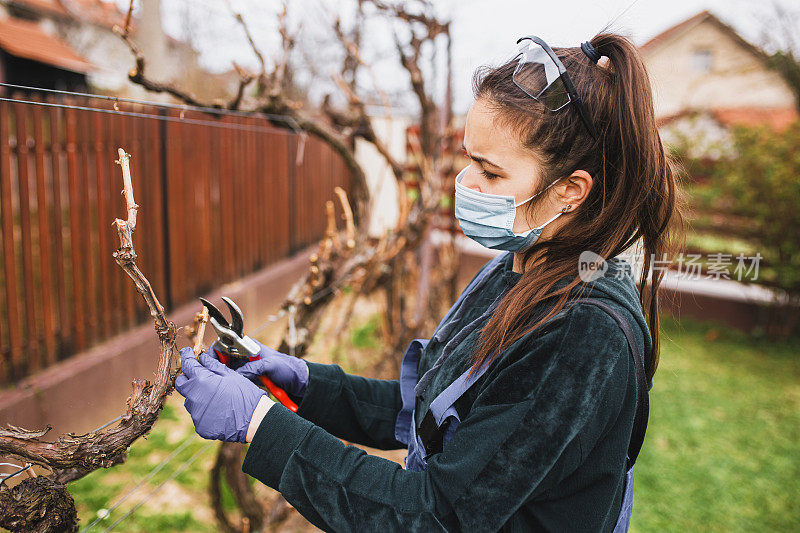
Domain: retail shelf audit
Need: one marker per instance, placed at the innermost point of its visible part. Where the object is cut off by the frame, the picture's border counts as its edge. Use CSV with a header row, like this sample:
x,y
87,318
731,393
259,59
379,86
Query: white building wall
x,y
380,178
736,77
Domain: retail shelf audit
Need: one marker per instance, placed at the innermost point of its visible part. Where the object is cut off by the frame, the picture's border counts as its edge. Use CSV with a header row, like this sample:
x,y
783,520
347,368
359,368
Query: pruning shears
x,y
240,346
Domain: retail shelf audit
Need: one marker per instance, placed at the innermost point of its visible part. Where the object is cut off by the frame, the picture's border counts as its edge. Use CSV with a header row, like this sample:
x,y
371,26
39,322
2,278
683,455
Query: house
x,y
86,28
31,56
707,78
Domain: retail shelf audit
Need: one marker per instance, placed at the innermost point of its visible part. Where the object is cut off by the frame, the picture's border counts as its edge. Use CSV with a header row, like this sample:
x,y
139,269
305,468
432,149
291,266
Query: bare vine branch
x,y
46,501
197,331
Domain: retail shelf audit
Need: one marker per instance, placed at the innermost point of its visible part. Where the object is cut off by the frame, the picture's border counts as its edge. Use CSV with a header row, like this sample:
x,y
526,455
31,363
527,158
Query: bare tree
x,y
400,264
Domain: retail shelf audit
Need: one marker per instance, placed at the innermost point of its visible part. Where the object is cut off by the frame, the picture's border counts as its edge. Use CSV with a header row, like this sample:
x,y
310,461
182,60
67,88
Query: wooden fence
x,y
219,197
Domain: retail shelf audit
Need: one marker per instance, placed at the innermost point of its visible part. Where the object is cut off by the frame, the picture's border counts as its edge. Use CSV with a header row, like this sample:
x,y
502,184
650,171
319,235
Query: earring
x,y
566,208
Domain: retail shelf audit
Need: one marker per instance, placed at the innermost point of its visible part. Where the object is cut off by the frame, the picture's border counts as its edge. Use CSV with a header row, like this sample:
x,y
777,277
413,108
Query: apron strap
x,y
642,396
408,378
409,367
431,429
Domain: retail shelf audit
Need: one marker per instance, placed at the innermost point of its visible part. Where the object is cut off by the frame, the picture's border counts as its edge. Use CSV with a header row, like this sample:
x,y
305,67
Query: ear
x,y
575,189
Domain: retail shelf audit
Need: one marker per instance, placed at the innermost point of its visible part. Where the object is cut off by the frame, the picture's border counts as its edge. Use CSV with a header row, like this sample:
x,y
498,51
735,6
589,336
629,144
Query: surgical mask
x,y
489,218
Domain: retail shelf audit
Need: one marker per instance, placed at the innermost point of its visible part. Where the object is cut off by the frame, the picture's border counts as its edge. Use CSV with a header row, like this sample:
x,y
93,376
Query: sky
x,y
483,31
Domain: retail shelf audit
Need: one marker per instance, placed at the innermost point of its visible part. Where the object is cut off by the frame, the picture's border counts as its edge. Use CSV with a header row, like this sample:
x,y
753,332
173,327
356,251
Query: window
x,y
701,60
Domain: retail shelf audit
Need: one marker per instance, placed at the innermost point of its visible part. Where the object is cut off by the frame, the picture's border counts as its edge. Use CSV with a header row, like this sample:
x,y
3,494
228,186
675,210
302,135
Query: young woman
x,y
526,408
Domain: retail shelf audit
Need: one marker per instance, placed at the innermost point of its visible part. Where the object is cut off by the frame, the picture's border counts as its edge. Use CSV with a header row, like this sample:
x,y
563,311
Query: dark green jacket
x,y
541,445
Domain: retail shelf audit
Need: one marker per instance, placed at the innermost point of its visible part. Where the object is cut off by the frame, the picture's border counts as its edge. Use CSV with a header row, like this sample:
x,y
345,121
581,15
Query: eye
x,y
489,175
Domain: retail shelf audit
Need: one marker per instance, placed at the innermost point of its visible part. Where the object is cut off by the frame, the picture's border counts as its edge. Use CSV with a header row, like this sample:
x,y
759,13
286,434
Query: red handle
x,y
280,394
276,391
224,358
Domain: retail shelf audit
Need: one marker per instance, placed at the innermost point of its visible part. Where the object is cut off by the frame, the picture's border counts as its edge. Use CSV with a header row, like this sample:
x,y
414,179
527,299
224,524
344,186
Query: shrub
x,y
764,180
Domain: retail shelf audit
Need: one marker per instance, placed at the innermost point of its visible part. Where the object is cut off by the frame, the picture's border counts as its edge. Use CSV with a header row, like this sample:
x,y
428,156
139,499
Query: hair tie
x,y
590,51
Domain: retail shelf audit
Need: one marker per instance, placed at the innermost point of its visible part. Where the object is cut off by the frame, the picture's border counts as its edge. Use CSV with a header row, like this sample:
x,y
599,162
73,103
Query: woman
x,y
520,411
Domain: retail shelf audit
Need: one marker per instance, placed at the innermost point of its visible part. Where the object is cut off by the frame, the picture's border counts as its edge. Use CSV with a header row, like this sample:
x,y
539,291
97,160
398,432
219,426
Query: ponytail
x,y
644,163
634,196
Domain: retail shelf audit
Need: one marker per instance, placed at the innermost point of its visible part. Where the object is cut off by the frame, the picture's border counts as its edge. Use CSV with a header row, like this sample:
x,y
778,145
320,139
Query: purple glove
x,y
220,401
216,346
286,371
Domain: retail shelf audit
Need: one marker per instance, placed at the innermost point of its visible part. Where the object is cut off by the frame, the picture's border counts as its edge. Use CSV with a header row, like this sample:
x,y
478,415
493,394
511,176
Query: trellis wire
x,y
155,491
209,123
106,424
160,466
18,472
183,107
282,313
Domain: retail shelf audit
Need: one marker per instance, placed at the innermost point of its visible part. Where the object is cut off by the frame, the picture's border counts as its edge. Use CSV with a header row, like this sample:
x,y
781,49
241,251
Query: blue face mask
x,y
489,218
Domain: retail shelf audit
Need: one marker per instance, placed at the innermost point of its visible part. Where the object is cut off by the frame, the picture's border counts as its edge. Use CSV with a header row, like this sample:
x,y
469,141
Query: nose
x,y
469,180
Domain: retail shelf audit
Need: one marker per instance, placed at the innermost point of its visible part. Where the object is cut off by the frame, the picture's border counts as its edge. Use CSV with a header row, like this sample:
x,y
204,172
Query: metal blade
x,y
215,313
237,319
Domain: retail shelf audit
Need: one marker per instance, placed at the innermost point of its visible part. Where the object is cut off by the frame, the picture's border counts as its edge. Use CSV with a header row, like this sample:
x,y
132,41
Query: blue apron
x,y
442,407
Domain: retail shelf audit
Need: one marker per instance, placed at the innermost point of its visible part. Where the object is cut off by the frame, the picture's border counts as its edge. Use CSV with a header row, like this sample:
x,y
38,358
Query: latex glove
x,y
216,346
220,401
286,371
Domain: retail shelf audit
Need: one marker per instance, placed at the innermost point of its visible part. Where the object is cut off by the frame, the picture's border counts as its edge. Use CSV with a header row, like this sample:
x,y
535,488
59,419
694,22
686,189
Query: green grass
x,y
367,335
174,507
722,451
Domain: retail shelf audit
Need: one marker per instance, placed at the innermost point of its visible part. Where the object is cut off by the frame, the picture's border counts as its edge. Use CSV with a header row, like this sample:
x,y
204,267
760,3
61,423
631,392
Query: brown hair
x,y
634,192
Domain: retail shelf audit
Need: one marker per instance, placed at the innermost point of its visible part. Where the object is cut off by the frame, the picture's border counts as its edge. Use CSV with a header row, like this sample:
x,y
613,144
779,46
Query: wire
x,y
18,472
290,120
184,107
144,480
106,424
155,491
241,127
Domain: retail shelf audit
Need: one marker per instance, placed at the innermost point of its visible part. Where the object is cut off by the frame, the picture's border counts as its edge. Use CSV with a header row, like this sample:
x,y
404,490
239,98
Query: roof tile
x,y
26,39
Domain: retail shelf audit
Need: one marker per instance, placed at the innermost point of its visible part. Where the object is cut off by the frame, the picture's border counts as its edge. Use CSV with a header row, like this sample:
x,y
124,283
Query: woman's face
x,y
501,165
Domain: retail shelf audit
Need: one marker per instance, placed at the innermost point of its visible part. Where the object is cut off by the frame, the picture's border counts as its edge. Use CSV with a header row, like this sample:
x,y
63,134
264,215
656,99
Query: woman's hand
x,y
286,371
221,402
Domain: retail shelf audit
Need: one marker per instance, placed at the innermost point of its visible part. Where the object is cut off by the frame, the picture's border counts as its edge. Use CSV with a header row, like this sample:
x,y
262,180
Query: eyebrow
x,y
479,159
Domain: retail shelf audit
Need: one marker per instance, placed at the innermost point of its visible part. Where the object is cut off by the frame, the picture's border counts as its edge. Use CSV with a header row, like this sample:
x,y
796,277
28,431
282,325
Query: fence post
x,y
165,255
45,248
32,324
56,151
294,245
9,253
75,234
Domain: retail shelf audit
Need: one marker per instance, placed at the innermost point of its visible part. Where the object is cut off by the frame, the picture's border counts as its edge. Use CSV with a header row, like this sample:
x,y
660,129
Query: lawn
x,y
722,451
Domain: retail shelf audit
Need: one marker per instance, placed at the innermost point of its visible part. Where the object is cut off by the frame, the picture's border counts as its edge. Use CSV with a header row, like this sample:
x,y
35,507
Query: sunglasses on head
x,y
543,77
